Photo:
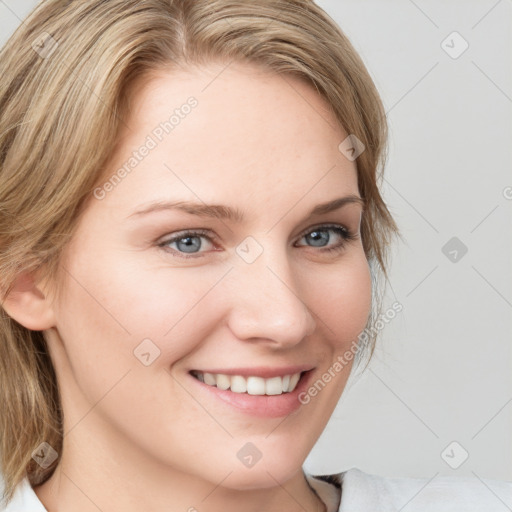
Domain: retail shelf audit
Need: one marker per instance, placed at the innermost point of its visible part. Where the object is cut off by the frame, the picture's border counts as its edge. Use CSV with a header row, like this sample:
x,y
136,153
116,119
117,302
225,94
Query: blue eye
x,y
320,237
188,243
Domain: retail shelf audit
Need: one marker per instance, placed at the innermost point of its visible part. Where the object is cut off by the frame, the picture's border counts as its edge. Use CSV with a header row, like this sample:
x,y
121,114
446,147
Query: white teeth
x,y
293,380
274,386
238,384
209,379
223,381
251,385
255,386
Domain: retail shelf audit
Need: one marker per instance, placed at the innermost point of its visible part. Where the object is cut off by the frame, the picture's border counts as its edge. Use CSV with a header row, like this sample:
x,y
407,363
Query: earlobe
x,y
28,305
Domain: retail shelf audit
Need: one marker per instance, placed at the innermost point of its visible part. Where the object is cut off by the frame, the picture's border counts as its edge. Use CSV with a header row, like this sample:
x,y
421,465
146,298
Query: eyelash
x,y
346,234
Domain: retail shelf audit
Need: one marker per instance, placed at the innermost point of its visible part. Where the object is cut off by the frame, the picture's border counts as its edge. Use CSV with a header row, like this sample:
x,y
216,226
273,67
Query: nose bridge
x,y
266,304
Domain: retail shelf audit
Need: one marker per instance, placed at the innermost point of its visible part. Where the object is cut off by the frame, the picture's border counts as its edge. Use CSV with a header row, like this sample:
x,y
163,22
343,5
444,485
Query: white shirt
x,y
356,491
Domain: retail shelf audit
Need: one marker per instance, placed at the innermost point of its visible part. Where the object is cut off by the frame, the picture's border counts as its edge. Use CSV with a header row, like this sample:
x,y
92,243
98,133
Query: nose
x,y
267,304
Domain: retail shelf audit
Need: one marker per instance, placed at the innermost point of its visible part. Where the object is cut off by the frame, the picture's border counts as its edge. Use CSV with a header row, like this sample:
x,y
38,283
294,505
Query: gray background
x,y
442,372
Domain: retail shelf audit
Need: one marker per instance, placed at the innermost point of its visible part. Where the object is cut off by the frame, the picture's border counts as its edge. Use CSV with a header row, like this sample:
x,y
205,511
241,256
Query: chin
x,y
260,477
255,469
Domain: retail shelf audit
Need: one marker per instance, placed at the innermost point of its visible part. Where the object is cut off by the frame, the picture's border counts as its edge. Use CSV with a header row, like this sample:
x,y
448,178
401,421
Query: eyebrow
x,y
234,214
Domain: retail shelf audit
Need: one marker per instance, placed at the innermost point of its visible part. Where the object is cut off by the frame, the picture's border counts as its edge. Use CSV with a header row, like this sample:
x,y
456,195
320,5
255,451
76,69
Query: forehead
x,y
240,101
251,135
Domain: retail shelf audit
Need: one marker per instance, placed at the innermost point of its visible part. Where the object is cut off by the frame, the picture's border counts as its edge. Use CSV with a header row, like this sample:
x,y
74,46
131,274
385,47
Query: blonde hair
x,y
62,105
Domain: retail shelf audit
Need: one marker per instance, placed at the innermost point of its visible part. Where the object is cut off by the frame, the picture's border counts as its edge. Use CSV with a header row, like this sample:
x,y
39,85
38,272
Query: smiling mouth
x,y
251,385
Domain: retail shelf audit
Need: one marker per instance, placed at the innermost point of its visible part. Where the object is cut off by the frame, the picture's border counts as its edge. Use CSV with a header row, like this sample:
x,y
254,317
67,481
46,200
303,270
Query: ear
x,y
28,305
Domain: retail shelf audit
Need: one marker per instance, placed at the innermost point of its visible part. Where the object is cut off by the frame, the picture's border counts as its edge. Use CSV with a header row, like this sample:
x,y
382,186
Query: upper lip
x,y
264,372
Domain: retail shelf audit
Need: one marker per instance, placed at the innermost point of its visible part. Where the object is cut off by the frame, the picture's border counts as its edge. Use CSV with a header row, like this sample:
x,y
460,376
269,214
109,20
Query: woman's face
x,y
277,292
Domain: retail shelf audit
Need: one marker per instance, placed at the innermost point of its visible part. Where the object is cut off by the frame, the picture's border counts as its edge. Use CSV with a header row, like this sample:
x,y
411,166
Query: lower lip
x,y
264,406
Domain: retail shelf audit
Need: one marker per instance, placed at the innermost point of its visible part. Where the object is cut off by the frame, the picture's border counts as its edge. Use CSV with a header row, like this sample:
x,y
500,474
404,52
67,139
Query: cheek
x,y
109,309
342,299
